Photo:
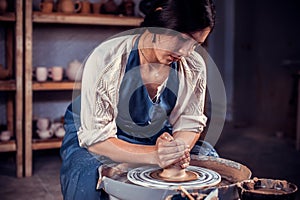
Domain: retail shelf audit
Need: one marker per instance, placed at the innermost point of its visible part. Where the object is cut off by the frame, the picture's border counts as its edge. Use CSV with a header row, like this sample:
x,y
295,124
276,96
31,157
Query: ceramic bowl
x,y
44,134
5,136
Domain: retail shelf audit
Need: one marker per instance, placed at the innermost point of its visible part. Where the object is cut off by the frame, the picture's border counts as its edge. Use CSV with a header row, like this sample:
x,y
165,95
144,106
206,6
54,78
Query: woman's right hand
x,y
170,151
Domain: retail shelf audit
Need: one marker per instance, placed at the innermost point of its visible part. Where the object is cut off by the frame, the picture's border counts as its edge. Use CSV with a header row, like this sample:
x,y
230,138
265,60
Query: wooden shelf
x,y
8,146
34,20
50,85
53,143
9,85
12,24
8,17
86,19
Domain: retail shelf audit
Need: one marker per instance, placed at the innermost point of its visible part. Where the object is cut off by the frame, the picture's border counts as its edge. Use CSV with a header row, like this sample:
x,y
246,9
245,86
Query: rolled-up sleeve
x,y
99,94
188,114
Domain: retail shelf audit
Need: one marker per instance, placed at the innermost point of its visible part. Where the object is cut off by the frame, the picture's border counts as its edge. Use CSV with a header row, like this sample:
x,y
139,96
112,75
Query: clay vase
x,y
85,7
109,7
68,6
46,7
3,6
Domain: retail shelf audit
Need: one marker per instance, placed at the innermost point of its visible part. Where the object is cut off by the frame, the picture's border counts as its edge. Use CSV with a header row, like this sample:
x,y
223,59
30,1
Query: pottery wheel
x,y
148,176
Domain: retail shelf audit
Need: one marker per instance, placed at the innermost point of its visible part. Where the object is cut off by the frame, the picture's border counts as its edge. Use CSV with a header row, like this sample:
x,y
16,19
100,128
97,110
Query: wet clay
x,y
180,176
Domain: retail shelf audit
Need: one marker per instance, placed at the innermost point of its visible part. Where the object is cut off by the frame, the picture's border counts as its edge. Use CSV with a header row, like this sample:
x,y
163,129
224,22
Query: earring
x,y
154,38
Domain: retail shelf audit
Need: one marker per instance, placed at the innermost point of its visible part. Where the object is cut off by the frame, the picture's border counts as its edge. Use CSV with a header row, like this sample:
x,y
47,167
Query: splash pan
x,y
231,172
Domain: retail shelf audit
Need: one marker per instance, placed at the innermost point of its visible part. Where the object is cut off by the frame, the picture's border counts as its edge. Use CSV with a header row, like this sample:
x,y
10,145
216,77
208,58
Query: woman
x,y
142,97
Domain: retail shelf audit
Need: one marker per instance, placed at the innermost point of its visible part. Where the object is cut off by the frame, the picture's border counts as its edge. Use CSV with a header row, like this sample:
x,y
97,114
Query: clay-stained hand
x,y
171,151
184,161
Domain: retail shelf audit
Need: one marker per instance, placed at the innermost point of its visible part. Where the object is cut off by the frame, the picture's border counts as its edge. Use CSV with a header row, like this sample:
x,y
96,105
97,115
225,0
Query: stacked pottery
x,y
43,128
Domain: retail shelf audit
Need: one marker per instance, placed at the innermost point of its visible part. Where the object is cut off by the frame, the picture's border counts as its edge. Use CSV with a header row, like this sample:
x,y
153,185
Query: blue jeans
x,y
79,171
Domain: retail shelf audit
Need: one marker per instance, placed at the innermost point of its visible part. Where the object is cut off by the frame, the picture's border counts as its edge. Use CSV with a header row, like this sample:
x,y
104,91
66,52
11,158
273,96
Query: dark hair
x,y
181,15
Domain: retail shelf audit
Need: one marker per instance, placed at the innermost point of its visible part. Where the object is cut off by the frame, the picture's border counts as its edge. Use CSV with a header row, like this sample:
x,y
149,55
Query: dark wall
x,y
267,35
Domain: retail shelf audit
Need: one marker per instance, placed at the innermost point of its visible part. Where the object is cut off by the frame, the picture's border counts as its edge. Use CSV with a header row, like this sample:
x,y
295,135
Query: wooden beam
x,y
28,88
19,87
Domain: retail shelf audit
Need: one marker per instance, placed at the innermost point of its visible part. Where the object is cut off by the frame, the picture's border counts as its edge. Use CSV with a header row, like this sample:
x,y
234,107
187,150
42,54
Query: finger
x,y
166,137
185,160
185,165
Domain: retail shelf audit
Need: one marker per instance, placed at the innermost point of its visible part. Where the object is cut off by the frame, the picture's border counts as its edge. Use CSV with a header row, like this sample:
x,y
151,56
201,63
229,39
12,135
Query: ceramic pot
x,y
60,132
46,7
58,129
68,6
43,124
3,6
109,7
74,70
44,134
5,136
85,7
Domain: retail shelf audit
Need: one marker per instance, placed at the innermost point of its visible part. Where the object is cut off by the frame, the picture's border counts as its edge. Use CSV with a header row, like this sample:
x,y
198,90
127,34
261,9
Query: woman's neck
x,y
146,49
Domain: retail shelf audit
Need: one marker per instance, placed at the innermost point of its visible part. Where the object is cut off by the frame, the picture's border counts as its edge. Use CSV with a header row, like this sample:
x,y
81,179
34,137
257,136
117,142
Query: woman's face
x,y
170,48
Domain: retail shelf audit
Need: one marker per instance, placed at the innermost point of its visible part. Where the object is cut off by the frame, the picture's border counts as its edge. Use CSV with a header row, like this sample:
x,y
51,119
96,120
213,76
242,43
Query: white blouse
x,y
102,75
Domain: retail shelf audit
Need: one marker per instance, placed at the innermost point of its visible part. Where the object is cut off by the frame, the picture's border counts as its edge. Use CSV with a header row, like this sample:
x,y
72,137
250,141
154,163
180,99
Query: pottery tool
x,y
186,193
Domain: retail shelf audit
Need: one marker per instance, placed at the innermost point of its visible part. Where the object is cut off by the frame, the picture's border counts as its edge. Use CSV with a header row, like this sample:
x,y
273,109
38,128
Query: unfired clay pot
x,y
68,6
